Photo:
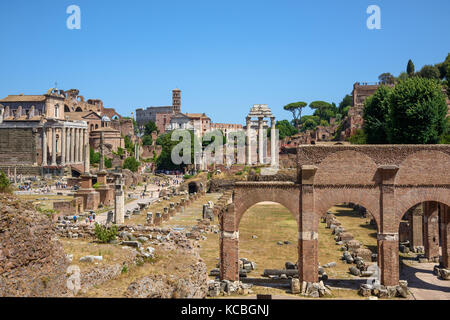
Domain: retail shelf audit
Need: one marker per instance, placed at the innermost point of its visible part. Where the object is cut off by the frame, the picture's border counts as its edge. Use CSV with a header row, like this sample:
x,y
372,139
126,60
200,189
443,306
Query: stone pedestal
x,y
91,198
165,215
149,218
171,209
105,191
119,201
157,219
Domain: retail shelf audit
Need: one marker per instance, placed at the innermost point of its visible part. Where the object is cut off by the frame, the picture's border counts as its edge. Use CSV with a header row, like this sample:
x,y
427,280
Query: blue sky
x,y
225,56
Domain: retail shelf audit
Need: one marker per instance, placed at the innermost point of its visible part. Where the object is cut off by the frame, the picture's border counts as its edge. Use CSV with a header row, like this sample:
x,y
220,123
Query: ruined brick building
x,y
386,180
168,118
49,133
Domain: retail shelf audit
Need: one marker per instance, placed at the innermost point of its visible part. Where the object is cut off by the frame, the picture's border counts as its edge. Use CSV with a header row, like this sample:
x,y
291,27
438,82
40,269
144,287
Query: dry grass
x,y
45,204
272,223
79,248
155,207
163,264
359,227
192,213
269,222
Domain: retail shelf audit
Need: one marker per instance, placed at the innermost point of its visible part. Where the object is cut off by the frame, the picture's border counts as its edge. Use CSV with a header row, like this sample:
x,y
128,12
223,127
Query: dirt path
x,y
423,284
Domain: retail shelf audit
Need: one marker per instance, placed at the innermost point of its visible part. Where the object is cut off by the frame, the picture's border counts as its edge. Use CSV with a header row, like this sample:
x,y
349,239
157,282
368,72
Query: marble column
x,y
72,152
273,143
81,146
260,140
67,134
44,146
53,146
249,142
63,146
102,154
87,167
77,145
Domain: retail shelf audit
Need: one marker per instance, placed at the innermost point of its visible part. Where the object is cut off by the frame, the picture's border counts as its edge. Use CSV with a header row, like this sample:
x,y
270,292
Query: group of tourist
x,y
25,187
60,185
88,220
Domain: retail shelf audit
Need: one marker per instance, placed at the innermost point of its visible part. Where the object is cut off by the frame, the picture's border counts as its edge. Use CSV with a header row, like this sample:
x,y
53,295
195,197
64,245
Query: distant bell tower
x,y
176,100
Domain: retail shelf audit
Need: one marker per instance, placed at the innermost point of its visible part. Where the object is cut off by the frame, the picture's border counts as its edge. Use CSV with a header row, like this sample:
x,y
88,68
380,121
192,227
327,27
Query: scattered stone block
x,y
295,286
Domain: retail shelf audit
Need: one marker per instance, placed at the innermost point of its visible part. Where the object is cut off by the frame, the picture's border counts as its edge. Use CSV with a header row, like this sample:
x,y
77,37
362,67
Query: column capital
x,y
387,173
308,172
387,236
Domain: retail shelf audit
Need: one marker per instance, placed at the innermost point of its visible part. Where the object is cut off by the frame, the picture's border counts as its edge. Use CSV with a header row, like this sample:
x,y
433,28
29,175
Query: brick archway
x,y
248,194
410,198
325,198
387,180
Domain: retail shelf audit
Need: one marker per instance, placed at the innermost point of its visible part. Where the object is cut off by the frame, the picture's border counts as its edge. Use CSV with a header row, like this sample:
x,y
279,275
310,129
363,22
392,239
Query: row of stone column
x,y
73,145
261,145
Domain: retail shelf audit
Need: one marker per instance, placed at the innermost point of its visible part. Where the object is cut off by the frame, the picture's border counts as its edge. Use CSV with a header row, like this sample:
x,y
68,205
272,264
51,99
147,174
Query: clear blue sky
x,y
225,56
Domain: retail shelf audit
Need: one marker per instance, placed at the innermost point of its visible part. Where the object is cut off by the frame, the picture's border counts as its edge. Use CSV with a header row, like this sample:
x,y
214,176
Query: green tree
x,y
129,145
285,129
403,76
358,138
131,164
386,78
417,111
346,101
375,113
444,67
94,156
445,138
309,124
149,128
296,109
105,234
448,81
147,140
108,162
164,161
324,110
410,69
4,183
430,72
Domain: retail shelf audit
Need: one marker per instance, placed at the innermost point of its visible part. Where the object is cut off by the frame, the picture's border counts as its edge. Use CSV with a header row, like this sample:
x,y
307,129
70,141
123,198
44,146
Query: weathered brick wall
x,y
17,146
386,180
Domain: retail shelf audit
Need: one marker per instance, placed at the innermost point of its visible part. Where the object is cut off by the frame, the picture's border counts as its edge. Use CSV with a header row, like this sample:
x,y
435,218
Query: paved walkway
x,y
423,284
151,189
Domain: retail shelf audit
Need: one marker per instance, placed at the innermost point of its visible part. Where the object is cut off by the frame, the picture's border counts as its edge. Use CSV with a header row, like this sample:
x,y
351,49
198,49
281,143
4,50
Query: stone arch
x,y
426,167
326,198
193,187
66,108
78,109
415,196
346,167
244,198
